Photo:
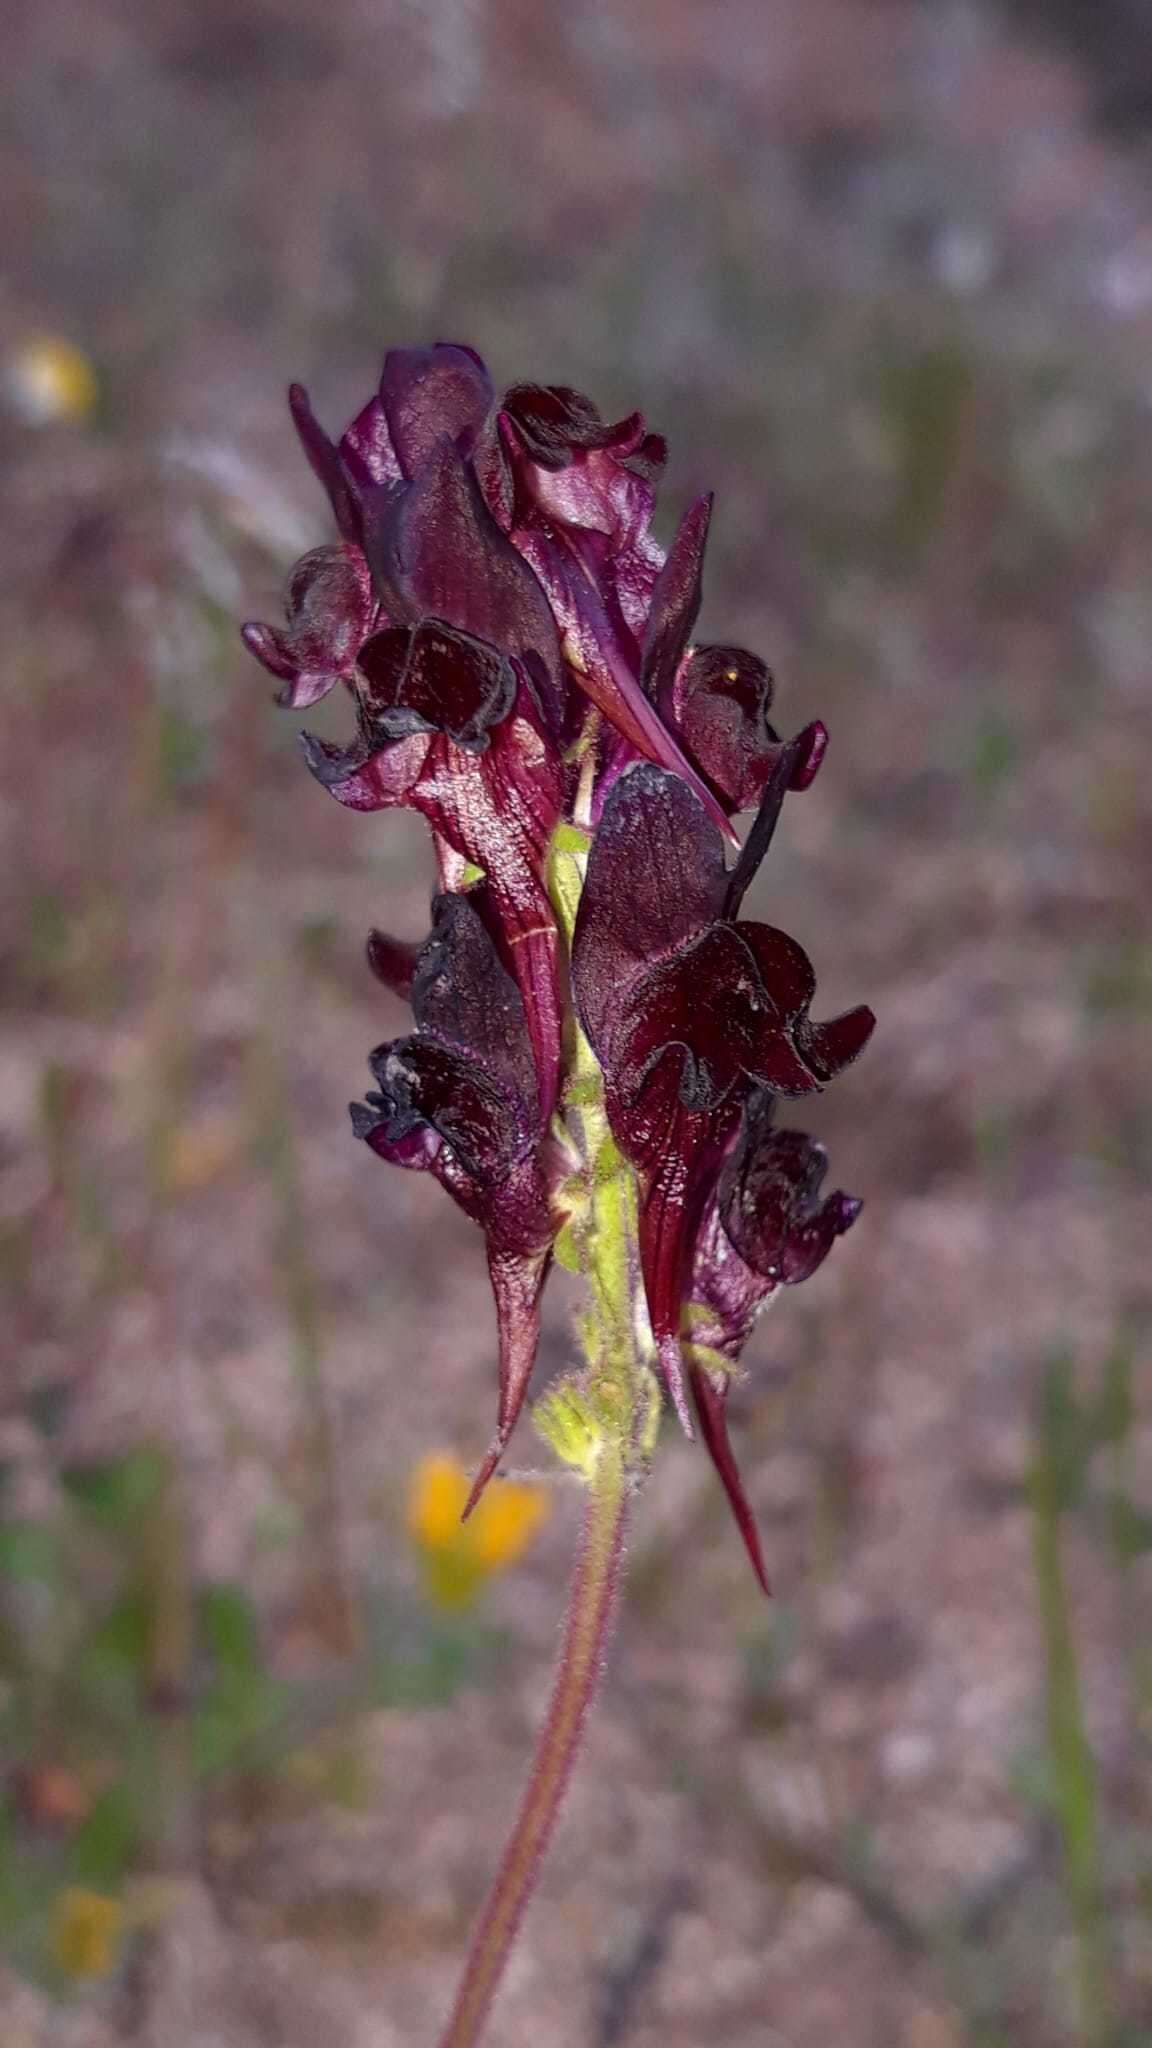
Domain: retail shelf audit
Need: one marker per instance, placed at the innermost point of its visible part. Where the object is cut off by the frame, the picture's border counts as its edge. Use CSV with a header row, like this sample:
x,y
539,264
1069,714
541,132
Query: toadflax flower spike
x,y
518,652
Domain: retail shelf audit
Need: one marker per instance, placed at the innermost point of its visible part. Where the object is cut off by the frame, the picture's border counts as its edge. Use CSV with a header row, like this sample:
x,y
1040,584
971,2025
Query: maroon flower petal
x,y
432,393
463,994
392,961
656,878
553,421
365,777
413,1145
329,608
656,968
710,1398
601,662
467,1071
794,767
723,1012
499,810
596,489
829,1048
648,456
422,1081
676,602
324,459
770,1206
366,450
726,1295
677,1152
435,679
718,705
517,1282
782,967
436,550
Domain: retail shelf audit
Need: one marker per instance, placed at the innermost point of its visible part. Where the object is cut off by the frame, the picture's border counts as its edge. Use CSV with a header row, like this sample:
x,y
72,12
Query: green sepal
x,y
649,1414
709,1359
564,874
567,1249
568,1421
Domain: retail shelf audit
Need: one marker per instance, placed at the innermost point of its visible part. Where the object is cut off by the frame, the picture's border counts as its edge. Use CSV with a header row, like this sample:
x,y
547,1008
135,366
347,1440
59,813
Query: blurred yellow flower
x,y
48,379
457,1557
86,1929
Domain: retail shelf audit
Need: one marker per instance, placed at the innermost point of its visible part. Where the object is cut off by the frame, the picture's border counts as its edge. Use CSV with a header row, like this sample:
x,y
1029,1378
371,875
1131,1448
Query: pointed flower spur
x,y
600,1038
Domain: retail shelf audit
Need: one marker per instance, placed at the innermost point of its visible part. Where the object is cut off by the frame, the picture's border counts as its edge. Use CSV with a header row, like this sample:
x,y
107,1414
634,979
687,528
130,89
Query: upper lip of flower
x,y
434,548
467,1070
663,964
434,678
601,658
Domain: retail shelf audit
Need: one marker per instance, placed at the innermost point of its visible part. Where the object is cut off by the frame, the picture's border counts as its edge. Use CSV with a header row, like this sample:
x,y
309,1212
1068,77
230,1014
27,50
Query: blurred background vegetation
x,y
883,272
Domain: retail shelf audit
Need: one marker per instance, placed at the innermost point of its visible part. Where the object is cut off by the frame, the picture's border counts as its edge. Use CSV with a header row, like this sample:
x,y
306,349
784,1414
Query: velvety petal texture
x,y
330,610
435,549
458,1098
717,704
690,1011
429,395
487,778
766,1227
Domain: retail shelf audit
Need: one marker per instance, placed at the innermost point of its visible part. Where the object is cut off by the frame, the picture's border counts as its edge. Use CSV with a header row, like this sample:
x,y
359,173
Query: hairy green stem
x,y
589,1621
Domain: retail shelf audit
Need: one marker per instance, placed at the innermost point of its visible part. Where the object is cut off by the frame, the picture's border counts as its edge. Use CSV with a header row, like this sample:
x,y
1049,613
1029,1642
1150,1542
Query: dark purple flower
x,y
715,699
429,395
425,395
771,1208
330,612
526,526
451,728
675,602
690,1009
582,508
718,706
573,469
458,1097
765,1227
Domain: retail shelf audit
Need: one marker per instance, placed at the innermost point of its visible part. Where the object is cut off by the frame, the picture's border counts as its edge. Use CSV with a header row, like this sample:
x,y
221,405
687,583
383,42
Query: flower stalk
x,y
591,1607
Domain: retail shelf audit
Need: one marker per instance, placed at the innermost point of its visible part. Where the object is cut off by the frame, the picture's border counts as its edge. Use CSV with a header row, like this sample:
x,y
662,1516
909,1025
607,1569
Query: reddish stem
x,y
589,1621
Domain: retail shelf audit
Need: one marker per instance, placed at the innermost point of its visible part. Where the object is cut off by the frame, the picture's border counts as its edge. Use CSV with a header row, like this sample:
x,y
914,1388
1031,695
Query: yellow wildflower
x,y
50,379
86,1929
457,1557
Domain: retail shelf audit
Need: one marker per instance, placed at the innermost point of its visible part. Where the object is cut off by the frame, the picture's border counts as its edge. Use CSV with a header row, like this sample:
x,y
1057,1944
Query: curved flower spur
x,y
599,1038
